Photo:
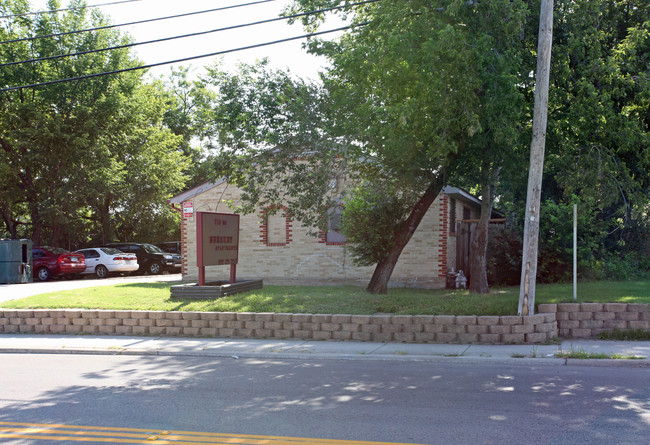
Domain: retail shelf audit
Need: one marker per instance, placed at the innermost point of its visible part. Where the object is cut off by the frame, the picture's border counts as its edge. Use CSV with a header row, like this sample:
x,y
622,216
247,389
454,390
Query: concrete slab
x,y
279,349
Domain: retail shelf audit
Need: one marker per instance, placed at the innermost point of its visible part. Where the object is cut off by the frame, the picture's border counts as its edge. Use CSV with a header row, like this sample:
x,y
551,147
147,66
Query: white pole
x,y
575,251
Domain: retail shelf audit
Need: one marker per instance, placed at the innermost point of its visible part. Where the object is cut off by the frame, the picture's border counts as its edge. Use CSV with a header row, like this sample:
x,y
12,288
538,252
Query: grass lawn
x,y
333,299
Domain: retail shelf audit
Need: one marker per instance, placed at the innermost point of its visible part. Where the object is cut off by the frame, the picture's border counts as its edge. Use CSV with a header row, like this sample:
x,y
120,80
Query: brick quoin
x,y
444,215
184,265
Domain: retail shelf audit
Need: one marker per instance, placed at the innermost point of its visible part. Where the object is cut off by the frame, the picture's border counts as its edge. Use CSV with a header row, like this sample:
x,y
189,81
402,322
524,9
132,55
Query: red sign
x,y
188,209
219,238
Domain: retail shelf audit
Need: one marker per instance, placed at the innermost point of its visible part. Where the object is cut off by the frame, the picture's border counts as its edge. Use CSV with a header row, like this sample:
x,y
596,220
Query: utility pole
x,y
537,146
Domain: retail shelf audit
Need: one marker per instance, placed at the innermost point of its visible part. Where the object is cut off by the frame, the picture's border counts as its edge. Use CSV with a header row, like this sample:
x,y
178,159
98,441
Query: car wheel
x,y
155,268
101,271
43,274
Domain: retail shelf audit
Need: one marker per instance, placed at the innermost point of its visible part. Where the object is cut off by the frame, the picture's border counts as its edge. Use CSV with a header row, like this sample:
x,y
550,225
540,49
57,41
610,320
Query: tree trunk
x,y
10,224
478,282
37,224
384,269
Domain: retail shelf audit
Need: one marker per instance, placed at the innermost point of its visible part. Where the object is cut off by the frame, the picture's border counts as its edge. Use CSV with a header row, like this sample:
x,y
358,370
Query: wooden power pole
x,y
537,146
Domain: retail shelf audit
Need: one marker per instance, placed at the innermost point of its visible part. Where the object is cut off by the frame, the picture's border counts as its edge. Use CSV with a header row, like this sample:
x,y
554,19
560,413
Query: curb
x,y
543,361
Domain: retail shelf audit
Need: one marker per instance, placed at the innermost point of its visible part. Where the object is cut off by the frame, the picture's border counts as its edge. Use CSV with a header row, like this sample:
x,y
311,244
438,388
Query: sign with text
x,y
218,238
188,209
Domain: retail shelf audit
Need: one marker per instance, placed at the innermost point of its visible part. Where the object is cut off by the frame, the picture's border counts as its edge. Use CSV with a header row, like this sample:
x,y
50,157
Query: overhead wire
x,y
77,8
194,34
138,22
186,59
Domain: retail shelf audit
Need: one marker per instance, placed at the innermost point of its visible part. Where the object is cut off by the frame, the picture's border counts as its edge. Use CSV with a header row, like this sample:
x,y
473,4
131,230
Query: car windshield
x,y
152,249
110,251
54,250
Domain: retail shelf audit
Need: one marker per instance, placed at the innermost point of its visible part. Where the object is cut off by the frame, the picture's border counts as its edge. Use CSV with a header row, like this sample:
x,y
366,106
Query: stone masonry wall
x,y
380,328
586,320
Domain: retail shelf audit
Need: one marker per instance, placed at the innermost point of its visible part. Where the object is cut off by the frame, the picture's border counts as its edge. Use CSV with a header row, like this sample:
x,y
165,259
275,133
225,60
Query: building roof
x,y
452,192
191,193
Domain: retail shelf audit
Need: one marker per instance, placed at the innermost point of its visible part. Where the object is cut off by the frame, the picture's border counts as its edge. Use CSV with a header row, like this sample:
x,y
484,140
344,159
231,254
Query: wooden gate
x,y
464,232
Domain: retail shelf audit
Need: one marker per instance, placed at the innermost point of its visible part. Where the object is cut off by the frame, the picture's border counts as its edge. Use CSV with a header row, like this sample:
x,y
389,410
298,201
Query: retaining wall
x,y
568,320
586,320
383,328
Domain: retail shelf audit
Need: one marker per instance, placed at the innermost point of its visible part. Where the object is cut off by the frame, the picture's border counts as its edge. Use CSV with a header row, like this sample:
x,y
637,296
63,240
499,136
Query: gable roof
x,y
452,192
191,193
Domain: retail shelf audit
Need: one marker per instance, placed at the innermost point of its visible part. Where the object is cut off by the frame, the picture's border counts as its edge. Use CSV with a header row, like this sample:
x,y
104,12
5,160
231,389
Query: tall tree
x,y
60,142
424,86
597,141
401,102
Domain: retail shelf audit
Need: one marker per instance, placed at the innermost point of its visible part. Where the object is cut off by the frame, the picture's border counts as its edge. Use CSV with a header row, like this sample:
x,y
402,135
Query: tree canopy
x,y
85,160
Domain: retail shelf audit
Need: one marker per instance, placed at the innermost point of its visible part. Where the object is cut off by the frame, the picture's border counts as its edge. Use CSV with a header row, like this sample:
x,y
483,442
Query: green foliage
x,y
555,259
185,101
85,161
269,134
372,214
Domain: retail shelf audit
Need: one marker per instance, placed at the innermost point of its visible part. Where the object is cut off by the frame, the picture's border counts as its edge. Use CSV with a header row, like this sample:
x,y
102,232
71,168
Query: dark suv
x,y
170,247
150,258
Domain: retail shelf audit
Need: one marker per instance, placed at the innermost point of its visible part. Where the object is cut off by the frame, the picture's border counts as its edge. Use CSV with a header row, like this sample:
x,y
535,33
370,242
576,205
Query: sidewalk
x,y
307,350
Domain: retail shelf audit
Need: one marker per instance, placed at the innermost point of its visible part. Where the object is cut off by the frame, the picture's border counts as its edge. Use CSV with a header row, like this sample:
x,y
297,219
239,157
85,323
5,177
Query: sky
x,y
285,55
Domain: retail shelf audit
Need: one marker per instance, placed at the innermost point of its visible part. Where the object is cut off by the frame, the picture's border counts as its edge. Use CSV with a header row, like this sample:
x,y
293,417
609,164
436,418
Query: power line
x,y
228,28
186,59
139,22
66,9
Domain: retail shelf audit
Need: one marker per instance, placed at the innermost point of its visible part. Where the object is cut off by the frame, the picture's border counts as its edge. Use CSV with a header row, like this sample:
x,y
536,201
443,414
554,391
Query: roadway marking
x,y
99,434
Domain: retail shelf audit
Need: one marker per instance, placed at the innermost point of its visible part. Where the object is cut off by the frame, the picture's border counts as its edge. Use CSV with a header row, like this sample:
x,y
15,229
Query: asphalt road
x,y
402,402
15,291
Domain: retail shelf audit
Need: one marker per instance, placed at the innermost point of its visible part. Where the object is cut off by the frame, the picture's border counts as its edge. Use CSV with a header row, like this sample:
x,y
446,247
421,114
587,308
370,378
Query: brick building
x,y
280,251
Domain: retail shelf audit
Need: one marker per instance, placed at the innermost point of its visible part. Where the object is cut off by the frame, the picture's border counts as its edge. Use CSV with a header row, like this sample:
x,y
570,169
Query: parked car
x,y
170,247
49,262
103,261
150,258
173,247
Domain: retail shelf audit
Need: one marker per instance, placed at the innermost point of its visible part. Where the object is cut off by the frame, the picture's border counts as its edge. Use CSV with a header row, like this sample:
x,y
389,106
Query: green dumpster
x,y
15,261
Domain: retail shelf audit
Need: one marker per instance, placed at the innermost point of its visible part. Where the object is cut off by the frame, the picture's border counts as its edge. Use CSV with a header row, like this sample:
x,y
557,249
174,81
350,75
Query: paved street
x,y
365,400
120,389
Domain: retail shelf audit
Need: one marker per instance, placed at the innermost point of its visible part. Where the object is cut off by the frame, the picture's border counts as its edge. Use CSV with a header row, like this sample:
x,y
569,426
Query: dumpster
x,y
15,261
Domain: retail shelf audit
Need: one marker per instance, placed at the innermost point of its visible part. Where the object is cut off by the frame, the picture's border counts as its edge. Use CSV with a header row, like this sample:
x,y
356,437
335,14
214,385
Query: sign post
x,y
217,242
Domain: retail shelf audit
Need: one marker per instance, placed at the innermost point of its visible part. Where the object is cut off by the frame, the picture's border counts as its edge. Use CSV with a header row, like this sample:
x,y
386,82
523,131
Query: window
x,y
452,215
276,229
90,253
334,234
467,213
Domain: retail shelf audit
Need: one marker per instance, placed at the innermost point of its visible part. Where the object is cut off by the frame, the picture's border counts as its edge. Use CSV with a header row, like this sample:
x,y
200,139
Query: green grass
x,y
332,299
584,355
625,335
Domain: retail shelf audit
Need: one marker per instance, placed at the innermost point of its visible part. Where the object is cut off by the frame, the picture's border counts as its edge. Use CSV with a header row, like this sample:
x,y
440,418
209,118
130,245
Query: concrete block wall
x,y
379,328
587,320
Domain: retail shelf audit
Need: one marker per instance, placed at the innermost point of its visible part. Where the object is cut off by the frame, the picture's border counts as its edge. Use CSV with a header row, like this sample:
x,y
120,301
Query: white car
x,y
103,261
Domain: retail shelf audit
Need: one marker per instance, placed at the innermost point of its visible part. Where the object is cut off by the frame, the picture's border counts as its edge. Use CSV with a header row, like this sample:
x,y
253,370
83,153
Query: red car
x,y
56,262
